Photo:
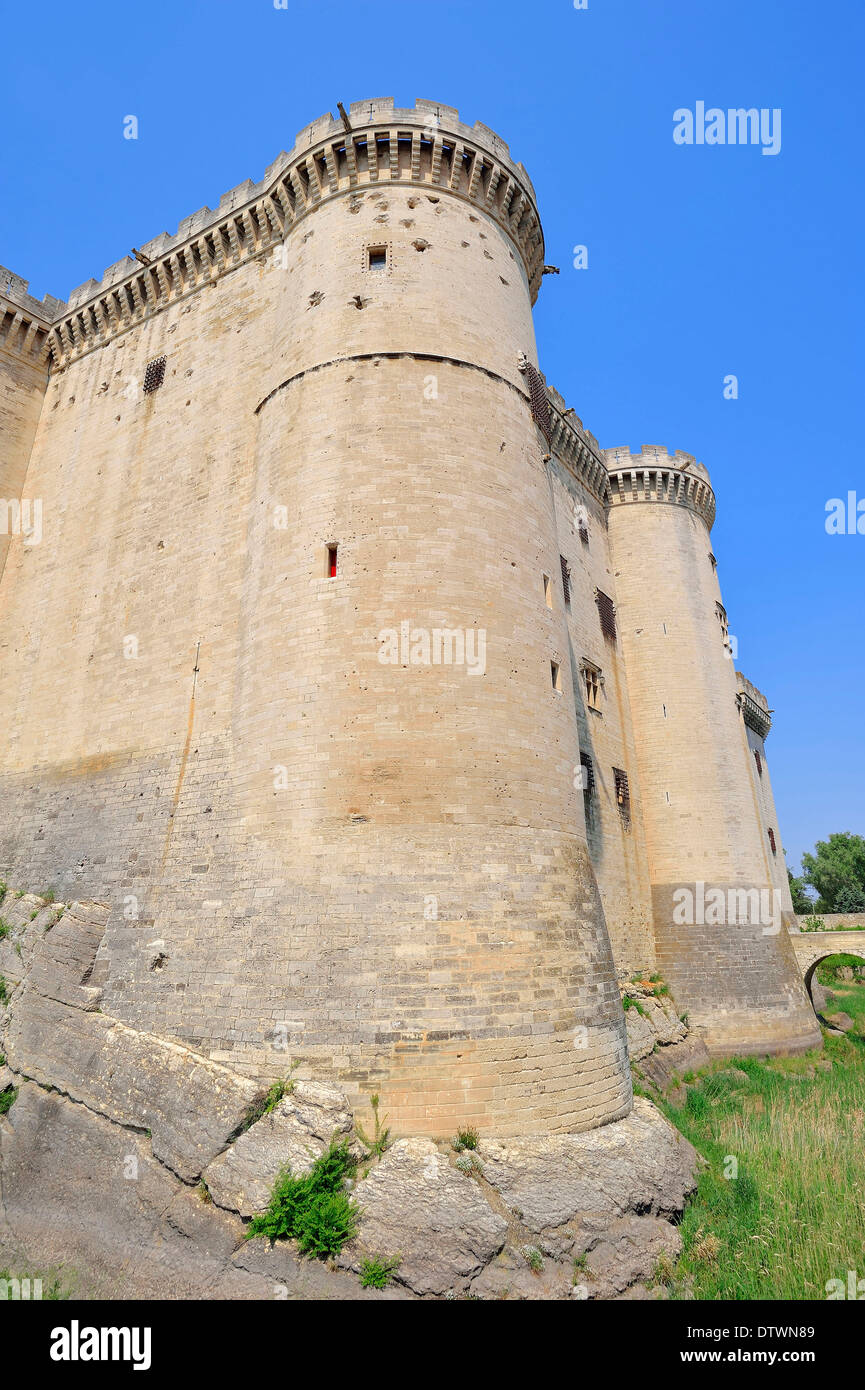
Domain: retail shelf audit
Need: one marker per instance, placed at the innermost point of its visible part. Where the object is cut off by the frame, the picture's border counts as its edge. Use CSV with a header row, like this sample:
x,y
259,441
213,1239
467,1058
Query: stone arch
x,y
819,956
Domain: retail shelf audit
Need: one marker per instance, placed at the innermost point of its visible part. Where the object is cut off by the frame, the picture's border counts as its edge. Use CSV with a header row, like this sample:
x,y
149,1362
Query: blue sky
x,y
703,261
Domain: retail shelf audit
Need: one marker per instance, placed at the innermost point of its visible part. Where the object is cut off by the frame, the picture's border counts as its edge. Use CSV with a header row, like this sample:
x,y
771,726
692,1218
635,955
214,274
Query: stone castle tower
x,y
391,717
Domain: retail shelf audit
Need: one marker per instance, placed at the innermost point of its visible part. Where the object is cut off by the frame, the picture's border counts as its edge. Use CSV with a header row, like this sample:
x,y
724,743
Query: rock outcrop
x,y
133,1161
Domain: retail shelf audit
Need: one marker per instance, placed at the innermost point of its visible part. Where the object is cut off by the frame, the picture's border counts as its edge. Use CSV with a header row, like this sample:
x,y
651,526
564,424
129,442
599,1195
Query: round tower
x,y
406,747
720,922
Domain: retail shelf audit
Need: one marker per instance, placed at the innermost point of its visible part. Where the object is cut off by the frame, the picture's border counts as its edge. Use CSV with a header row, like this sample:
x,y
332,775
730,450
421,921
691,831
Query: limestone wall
x,y
381,869
736,979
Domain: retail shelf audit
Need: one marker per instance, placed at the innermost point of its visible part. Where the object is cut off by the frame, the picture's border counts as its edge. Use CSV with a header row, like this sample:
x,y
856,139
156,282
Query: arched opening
x,y
835,982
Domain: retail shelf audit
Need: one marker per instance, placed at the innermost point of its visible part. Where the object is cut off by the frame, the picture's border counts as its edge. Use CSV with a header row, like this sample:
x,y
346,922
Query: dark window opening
x,y
377,258
588,777
759,761
607,613
554,673
772,841
154,375
623,794
566,578
331,561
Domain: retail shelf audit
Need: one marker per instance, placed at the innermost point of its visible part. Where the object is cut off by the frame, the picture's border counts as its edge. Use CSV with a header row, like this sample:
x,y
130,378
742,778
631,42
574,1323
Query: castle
x,y
392,719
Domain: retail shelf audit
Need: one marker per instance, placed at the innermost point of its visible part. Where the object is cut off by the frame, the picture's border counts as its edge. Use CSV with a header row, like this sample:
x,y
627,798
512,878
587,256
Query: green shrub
x,y
466,1137
5,929
377,1273
8,1099
314,1209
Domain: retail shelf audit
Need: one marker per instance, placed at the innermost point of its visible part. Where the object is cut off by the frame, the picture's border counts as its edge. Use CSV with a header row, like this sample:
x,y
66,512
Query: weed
x,y
377,1273
314,1209
381,1138
8,1099
466,1137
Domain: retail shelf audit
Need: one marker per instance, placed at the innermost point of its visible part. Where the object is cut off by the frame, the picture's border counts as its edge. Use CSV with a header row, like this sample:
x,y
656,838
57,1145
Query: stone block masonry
x,y
388,871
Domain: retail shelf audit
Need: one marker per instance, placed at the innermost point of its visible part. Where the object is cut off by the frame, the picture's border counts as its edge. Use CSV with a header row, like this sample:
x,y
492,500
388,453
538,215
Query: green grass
x,y
377,1273
8,1099
793,1218
52,1289
5,929
4,990
314,1210
467,1137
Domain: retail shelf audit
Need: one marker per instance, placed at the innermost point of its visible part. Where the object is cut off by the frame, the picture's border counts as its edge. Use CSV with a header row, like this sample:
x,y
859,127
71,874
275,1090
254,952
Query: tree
x,y
802,904
837,871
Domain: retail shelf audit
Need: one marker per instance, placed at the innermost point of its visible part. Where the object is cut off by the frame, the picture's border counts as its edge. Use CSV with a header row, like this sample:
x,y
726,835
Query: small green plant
x,y
4,990
19,892
466,1137
34,915
580,1263
468,1163
7,1099
381,1138
52,1290
270,1100
2,1059
378,1273
204,1192
5,929
3,886
47,896
533,1257
314,1209
629,1001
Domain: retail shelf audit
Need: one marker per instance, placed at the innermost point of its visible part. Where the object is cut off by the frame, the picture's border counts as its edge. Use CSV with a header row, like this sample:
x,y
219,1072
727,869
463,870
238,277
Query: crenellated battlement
x,y
577,447
653,474
25,320
754,706
426,145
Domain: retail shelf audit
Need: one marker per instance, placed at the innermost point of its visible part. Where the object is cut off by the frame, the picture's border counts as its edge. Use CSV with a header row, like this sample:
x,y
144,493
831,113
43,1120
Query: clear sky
x,y
703,261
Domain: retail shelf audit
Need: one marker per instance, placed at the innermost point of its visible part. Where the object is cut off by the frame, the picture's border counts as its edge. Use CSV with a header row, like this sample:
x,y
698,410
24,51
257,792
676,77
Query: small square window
x,y
377,258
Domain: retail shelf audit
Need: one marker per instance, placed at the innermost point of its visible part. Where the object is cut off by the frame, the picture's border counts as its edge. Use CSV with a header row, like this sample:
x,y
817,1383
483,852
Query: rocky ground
x,y
132,1162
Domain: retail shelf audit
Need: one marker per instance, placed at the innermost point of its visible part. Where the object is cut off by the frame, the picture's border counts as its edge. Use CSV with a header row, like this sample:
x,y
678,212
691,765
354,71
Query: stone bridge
x,y
812,947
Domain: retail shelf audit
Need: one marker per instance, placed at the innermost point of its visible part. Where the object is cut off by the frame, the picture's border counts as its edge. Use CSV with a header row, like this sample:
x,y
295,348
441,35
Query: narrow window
x,y
721,613
548,591
759,761
556,676
623,795
587,781
330,570
593,681
583,528
607,614
566,578
772,841
154,375
377,258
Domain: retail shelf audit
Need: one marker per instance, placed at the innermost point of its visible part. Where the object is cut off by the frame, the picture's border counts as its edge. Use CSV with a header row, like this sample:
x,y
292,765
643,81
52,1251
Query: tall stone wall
x,y
616,835
721,941
310,853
